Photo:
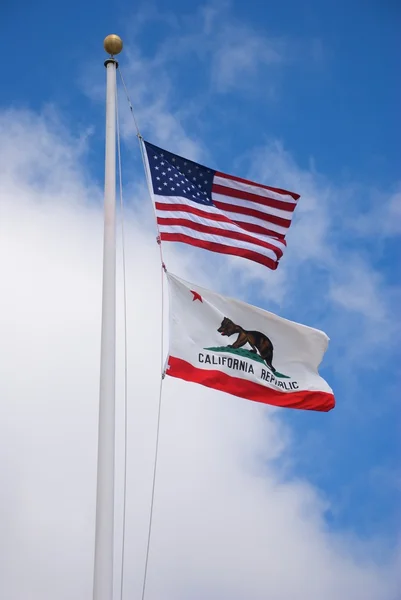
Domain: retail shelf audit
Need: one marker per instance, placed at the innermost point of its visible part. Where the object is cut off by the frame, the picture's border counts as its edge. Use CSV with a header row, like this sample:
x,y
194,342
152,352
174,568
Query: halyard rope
x,y
163,269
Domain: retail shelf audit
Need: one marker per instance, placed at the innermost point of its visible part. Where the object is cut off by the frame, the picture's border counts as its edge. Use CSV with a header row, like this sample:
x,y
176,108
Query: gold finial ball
x,y
113,44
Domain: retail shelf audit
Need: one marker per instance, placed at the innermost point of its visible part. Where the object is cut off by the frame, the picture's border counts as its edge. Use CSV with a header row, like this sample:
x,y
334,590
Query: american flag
x,y
222,213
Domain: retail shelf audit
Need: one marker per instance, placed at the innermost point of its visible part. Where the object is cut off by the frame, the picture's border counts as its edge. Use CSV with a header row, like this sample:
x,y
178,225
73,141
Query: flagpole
x,y
104,536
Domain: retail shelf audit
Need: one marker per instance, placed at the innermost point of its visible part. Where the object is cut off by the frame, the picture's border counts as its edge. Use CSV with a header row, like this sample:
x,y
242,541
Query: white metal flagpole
x,y
104,537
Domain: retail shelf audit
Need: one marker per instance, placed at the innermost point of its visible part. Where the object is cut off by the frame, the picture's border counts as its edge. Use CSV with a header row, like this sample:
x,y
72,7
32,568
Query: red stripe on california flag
x,y
221,248
265,187
249,390
233,235
223,206
242,195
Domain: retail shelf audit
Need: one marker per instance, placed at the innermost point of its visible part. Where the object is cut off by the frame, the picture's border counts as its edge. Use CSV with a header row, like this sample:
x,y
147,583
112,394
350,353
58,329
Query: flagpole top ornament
x,y
113,44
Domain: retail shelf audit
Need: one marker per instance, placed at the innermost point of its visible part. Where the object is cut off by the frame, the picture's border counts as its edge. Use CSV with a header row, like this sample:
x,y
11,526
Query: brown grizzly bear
x,y
259,342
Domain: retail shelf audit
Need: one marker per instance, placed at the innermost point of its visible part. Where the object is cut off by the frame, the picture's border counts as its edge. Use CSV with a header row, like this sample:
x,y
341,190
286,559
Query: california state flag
x,y
243,350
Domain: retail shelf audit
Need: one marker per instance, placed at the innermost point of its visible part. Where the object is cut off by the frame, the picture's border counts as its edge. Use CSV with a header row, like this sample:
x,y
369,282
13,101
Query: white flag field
x,y
231,346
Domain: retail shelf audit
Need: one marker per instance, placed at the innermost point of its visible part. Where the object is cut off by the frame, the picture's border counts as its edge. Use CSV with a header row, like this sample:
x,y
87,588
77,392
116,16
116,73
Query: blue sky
x,y
338,80
303,95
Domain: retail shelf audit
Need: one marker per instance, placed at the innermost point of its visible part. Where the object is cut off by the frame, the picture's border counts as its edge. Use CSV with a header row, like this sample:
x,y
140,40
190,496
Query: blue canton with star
x,y
173,175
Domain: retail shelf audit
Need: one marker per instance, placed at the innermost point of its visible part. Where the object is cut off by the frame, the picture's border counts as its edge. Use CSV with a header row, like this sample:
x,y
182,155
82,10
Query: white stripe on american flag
x,y
228,230
171,206
211,225
219,240
254,188
228,225
221,248
266,210
262,226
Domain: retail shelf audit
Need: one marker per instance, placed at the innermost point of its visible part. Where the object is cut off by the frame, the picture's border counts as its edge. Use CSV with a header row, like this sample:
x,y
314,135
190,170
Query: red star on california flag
x,y
196,296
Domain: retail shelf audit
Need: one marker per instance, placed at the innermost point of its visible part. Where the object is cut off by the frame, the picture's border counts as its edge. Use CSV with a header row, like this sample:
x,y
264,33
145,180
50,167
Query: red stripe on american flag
x,y
252,213
194,211
265,187
220,217
222,249
234,193
233,235
261,230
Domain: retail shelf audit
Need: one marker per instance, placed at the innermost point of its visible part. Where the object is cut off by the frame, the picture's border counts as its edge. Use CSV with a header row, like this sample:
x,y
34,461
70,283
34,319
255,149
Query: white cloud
x,y
326,269
359,291
394,213
238,56
381,215
212,51
228,522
